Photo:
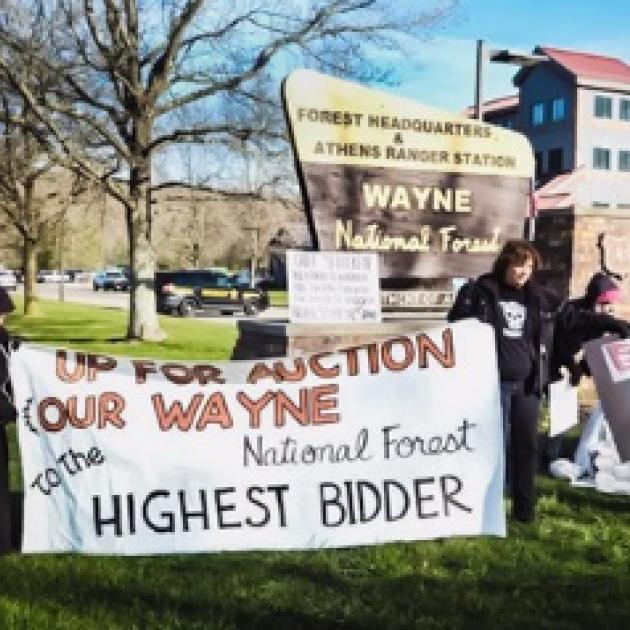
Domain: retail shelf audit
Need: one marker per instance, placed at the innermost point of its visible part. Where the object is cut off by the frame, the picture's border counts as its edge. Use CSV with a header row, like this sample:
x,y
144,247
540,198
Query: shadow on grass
x,y
580,498
197,592
205,592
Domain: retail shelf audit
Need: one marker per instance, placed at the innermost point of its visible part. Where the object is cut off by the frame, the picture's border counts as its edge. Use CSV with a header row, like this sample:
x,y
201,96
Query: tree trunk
x,y
31,301
143,320
31,248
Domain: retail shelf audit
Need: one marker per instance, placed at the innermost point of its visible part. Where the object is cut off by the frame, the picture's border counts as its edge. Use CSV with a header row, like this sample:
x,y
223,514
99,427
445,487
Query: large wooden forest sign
x,y
436,194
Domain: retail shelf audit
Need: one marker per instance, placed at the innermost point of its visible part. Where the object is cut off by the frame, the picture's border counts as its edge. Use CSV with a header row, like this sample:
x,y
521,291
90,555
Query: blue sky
x,y
442,69
439,70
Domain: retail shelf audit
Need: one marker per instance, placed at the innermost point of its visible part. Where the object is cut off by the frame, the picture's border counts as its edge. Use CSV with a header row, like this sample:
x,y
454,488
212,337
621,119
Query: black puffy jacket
x,y
577,323
480,299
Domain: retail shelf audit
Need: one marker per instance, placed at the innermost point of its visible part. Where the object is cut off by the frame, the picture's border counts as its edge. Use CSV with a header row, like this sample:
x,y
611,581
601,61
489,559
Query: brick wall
x,y
616,227
554,241
567,240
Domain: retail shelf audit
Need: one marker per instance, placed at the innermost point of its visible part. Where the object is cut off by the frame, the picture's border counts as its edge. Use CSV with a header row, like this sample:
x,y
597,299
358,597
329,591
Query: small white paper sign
x,y
563,406
333,287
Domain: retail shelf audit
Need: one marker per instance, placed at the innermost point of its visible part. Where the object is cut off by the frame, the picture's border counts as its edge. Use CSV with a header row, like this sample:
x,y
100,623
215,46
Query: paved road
x,y
84,294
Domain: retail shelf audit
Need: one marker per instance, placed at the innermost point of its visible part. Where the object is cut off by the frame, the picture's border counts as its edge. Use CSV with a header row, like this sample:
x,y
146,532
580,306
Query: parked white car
x,y
47,275
8,280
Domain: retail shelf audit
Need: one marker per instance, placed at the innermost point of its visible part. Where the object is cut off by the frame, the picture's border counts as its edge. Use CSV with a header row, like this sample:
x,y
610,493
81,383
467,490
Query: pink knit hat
x,y
609,297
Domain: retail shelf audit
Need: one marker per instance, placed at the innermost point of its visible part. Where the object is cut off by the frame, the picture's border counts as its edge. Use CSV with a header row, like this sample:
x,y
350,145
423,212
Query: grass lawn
x,y
83,327
278,298
568,570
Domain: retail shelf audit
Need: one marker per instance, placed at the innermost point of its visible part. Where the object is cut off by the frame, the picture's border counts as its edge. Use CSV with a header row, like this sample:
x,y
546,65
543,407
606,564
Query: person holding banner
x,y
579,321
7,414
522,315
584,319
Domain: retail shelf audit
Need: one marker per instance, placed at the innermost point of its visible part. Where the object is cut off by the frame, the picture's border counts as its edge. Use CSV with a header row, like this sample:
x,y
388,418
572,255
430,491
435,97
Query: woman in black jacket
x,y
522,315
7,414
535,335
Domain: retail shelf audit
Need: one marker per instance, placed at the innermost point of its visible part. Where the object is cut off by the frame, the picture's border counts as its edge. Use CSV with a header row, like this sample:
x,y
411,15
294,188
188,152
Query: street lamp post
x,y
60,257
496,55
515,58
255,231
481,51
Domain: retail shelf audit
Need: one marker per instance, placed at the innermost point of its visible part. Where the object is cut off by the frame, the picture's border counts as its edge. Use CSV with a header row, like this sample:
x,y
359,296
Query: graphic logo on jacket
x,y
514,316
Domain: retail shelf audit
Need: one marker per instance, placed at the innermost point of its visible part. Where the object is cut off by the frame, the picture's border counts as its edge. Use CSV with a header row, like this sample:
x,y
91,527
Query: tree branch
x,y
158,75
197,133
259,62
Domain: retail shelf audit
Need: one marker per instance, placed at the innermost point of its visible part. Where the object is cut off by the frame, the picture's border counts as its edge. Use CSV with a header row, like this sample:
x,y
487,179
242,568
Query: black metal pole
x,y
479,80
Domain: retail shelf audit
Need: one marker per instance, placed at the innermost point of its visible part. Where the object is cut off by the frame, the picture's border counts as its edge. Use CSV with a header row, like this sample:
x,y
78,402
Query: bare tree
x,y
32,197
127,67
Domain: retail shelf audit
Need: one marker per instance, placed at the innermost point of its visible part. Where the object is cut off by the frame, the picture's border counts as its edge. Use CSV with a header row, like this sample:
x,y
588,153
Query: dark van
x,y
185,292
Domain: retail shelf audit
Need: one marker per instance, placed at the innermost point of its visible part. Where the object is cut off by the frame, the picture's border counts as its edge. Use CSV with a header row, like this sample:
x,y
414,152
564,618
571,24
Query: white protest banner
x,y
333,287
392,441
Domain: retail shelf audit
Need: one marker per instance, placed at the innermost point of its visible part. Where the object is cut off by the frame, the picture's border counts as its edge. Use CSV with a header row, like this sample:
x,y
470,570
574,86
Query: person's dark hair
x,y
516,252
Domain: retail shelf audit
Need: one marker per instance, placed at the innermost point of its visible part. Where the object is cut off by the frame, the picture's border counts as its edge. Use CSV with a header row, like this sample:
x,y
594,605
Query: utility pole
x,y
103,210
60,257
481,53
521,60
198,226
255,230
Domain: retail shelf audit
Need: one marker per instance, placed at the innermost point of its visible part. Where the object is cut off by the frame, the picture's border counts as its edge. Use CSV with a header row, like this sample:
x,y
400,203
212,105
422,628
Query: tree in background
x,y
129,70
35,194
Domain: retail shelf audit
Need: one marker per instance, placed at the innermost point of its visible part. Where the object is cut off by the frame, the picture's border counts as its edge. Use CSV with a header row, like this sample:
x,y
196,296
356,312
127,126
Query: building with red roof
x,y
574,107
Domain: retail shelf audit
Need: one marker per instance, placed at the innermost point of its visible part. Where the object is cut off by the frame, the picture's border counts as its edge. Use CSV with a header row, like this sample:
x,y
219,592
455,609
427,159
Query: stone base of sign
x,y
261,339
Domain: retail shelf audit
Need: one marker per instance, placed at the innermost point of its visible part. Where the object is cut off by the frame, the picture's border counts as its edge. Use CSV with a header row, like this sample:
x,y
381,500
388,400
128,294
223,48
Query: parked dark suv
x,y
184,292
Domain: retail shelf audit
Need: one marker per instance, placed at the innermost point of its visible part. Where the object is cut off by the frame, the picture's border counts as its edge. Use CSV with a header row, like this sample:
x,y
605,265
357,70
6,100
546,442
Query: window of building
x,y
603,106
624,109
601,158
554,161
558,109
624,160
538,114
